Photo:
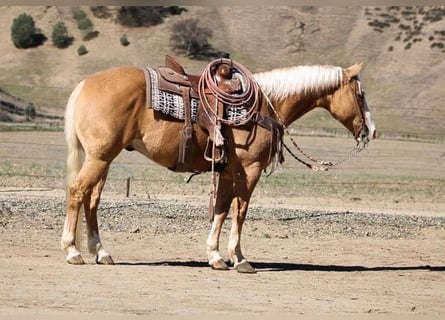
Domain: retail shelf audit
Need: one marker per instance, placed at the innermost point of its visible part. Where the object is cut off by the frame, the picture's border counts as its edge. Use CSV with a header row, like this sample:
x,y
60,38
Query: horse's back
x,y
115,80
112,89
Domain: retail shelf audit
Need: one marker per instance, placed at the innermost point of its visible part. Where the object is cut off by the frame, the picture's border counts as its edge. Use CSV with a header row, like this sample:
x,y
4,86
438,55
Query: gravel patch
x,y
161,216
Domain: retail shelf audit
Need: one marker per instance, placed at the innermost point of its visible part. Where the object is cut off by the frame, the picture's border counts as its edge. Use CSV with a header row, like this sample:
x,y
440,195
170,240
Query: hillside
x,y
405,86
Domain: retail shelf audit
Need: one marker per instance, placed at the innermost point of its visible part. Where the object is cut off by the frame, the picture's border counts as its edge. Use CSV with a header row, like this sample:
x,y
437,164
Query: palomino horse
x,y
107,112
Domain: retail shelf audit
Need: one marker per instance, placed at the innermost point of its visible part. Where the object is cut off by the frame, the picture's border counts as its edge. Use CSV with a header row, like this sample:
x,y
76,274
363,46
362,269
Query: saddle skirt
x,y
171,104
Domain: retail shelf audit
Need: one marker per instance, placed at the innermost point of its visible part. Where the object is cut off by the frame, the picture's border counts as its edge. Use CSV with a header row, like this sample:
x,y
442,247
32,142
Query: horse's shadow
x,y
288,266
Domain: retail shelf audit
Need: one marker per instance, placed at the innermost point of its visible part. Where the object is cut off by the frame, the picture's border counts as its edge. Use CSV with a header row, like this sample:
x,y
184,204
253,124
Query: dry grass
x,y
388,175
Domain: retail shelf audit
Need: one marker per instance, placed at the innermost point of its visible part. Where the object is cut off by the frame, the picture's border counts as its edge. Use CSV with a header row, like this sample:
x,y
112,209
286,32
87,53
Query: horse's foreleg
x,y
222,206
239,211
214,256
242,192
90,174
91,204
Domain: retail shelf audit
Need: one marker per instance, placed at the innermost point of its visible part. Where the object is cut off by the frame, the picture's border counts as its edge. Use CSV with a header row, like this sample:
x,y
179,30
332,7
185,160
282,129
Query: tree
x,y
23,32
190,38
60,36
101,12
173,10
133,16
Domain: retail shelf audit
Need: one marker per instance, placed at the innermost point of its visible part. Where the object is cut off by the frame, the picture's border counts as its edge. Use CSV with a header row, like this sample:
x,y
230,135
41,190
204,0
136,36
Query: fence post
x,y
128,187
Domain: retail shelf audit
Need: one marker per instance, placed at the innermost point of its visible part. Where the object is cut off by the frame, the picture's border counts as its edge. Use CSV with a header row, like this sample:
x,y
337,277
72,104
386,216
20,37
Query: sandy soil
x,y
163,271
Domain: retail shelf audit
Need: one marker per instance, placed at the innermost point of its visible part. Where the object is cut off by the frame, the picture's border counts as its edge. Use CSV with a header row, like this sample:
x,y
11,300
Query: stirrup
x,y
219,150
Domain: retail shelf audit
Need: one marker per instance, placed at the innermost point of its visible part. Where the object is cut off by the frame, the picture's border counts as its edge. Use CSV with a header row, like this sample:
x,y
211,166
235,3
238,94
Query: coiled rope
x,y
247,98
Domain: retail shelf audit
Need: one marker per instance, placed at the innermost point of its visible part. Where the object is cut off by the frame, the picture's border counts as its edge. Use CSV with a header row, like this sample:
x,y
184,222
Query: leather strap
x,y
185,154
277,130
148,88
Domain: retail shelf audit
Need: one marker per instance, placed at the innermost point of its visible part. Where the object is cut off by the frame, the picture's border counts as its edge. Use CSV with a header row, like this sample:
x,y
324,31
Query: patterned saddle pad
x,y
173,105
166,102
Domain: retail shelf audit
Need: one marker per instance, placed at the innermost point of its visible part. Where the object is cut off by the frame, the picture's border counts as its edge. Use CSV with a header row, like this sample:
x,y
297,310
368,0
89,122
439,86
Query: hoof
x,y
76,259
220,265
104,259
245,267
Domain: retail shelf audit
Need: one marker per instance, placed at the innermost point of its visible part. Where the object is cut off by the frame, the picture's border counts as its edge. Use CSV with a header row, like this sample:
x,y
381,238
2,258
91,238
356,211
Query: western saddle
x,y
217,87
174,79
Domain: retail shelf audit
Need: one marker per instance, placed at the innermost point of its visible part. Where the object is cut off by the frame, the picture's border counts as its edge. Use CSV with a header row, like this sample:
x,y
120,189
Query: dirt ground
x,y
165,272
313,257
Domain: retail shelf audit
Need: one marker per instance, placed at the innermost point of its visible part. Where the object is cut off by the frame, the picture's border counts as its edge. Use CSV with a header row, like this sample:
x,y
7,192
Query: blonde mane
x,y
281,83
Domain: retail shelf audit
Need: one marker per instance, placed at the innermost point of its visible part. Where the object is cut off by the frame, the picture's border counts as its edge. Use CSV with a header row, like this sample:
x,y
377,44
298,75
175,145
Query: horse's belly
x,y
164,148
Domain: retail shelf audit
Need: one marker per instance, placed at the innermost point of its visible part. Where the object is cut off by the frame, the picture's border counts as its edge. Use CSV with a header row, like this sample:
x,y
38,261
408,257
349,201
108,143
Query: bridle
x,y
361,138
359,97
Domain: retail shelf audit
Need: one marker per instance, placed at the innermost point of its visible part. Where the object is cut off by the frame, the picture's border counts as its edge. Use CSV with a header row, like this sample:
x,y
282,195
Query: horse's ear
x,y
354,70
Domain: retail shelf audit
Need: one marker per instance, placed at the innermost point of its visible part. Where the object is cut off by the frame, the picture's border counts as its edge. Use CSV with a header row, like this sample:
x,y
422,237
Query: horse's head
x,y
348,105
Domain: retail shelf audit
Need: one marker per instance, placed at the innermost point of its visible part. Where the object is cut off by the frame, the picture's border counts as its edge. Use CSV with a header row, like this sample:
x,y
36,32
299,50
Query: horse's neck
x,y
295,91
293,108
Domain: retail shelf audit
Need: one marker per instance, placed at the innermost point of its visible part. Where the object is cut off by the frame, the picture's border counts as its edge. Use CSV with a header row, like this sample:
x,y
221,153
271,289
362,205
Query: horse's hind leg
x,y
90,174
91,204
68,242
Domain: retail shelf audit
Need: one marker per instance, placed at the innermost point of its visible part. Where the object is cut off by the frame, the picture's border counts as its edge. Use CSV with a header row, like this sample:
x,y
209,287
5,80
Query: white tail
x,y
75,155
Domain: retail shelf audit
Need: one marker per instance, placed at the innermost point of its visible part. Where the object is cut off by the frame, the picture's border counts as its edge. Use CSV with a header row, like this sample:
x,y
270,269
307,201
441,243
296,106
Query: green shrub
x,y
90,34
23,32
79,15
124,40
60,36
30,112
82,50
85,25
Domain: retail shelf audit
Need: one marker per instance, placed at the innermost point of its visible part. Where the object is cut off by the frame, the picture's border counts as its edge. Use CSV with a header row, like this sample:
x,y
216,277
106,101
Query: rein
x,y
324,165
